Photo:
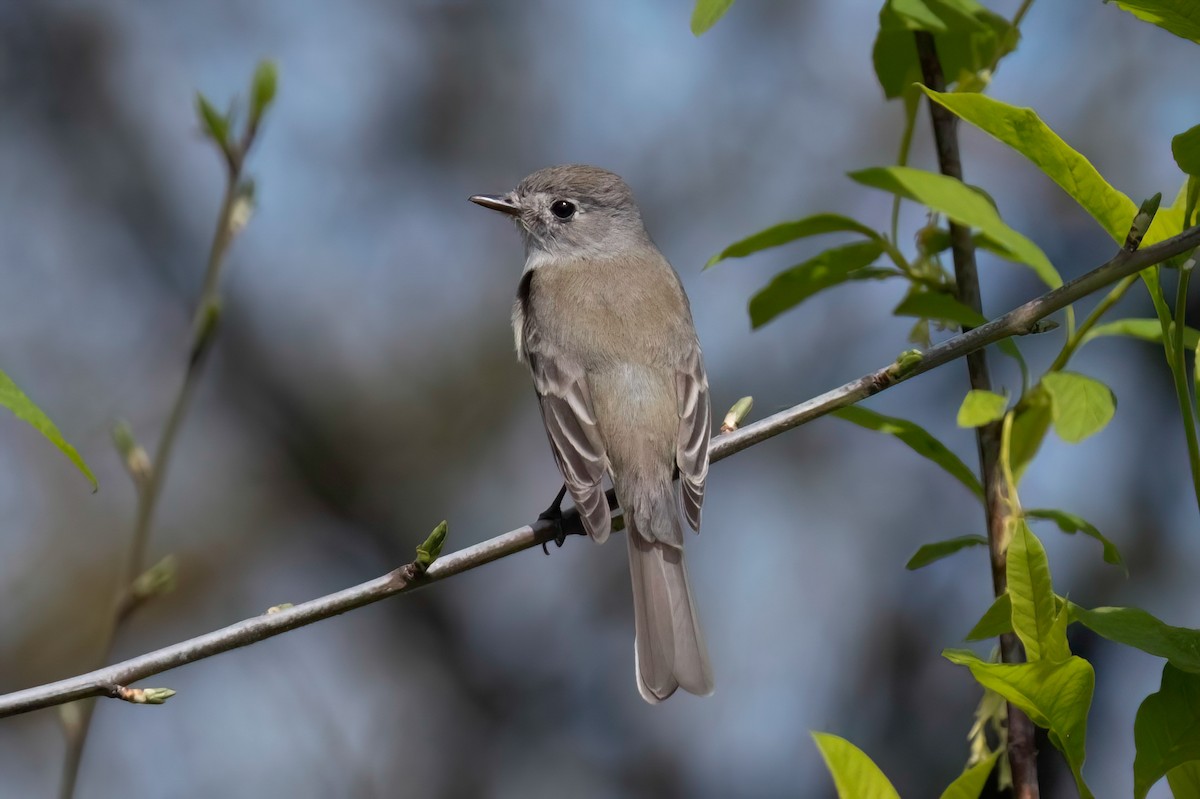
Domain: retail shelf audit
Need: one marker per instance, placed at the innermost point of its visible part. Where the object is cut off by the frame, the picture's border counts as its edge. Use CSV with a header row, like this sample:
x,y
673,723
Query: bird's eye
x,y
563,209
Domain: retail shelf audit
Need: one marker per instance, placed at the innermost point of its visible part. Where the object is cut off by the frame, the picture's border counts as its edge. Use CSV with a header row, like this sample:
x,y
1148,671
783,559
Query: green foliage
x,y
1130,627
1180,17
787,232
940,306
1185,780
981,407
970,784
1024,131
793,286
1080,406
1031,595
995,622
214,124
13,398
920,440
262,90
1054,687
1186,149
1055,695
707,13
1030,421
1137,628
431,549
962,204
854,774
1143,329
1166,732
1071,523
968,37
928,553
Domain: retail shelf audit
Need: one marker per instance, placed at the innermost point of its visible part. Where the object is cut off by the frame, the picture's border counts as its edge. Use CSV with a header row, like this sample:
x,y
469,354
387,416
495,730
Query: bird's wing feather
x,y
695,429
570,421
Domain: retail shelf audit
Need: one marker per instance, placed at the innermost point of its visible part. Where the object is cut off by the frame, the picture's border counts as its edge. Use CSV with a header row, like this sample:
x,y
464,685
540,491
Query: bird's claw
x,y
554,515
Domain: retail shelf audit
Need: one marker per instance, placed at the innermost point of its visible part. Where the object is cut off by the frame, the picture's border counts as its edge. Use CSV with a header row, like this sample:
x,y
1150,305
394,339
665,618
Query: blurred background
x,y
364,387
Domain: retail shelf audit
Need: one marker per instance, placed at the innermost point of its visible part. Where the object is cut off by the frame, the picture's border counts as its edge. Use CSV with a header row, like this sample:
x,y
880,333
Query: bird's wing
x,y
695,430
570,421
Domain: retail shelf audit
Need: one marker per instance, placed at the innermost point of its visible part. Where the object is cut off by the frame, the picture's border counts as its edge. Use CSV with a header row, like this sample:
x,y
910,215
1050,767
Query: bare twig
x,y
150,475
1022,748
1019,321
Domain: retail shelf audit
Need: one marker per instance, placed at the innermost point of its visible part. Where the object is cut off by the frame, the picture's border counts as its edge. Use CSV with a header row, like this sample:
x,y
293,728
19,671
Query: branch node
x,y
429,551
1040,326
139,696
737,414
158,579
1141,222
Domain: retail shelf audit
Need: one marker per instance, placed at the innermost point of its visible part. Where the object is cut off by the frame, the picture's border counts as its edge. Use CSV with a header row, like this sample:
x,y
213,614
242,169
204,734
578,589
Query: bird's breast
x,y
604,316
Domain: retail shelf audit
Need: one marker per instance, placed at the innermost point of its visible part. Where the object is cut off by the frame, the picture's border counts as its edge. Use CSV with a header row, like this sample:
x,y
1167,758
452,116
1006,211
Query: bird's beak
x,y
497,202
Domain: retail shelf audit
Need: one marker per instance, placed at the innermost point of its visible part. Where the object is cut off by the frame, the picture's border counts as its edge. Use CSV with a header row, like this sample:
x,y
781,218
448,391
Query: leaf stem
x,y
910,123
1102,307
1178,357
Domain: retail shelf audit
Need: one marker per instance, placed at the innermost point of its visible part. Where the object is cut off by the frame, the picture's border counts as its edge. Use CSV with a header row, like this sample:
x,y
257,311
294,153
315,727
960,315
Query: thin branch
x,y
1022,748
149,485
1020,321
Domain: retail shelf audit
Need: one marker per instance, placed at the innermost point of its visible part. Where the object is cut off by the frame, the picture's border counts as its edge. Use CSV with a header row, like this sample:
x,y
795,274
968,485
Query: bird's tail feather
x,y
670,651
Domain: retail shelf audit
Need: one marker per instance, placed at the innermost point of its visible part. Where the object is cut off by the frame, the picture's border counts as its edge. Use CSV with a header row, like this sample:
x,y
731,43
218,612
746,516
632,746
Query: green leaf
x,y
944,308
1166,731
981,407
793,286
1185,780
262,90
1137,628
1180,17
962,204
928,553
787,232
431,549
916,437
706,13
995,622
22,407
940,306
968,38
970,784
1081,406
1055,695
1186,149
1031,420
854,774
215,124
1032,596
1024,131
1144,329
1070,523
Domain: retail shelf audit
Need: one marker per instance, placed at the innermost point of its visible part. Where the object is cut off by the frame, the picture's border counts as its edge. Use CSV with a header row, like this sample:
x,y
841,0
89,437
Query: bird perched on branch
x,y
605,327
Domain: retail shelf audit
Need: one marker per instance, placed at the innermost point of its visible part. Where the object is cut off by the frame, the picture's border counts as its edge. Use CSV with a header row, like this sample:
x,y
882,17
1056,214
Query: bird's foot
x,y
554,515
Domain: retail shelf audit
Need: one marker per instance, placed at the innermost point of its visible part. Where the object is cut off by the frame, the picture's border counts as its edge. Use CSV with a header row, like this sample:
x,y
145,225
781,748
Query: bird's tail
x,y
669,648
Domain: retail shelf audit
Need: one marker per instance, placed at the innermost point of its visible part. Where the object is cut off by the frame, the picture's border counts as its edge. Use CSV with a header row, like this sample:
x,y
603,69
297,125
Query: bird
x,y
602,321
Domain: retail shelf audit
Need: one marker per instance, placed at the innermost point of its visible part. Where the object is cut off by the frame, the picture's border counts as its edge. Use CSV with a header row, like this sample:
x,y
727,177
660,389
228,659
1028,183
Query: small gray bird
x,y
605,327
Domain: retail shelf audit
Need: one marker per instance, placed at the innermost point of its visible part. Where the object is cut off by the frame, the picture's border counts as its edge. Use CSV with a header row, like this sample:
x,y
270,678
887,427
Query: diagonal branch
x,y
1023,320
